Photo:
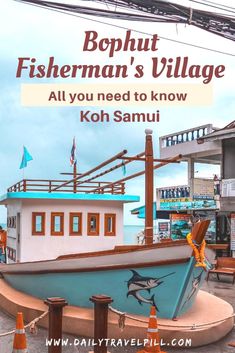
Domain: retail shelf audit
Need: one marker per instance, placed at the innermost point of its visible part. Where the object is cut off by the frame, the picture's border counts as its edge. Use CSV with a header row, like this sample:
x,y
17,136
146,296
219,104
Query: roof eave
x,y
66,196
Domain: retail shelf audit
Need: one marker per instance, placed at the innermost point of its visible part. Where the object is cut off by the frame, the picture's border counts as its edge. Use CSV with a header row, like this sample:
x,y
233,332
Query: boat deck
x,y
138,256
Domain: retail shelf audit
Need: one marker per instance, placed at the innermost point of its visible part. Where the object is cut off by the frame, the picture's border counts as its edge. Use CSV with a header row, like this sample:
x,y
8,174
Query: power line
x,y
122,27
215,3
154,11
214,7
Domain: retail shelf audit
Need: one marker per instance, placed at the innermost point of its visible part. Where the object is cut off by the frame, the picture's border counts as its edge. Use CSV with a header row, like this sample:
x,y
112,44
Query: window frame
x,y
34,231
97,231
53,215
106,231
71,216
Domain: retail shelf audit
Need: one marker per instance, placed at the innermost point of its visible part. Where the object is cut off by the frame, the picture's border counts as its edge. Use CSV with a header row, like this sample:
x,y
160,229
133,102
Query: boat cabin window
x,y
11,222
11,254
109,224
93,224
57,223
75,223
38,223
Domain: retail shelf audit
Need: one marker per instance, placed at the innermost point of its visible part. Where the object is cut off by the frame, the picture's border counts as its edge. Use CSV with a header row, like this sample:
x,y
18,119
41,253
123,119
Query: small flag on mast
x,y
25,158
73,159
123,168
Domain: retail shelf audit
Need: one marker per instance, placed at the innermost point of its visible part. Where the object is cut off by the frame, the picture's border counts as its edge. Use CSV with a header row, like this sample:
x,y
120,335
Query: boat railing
x,y
140,238
41,185
185,136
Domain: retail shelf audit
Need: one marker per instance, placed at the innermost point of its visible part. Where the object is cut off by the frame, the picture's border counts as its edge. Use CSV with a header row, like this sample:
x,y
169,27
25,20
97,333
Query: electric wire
x,y
214,7
211,2
154,11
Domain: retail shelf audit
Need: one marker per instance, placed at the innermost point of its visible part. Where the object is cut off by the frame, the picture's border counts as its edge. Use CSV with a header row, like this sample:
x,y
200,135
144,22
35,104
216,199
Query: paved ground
x,y
36,343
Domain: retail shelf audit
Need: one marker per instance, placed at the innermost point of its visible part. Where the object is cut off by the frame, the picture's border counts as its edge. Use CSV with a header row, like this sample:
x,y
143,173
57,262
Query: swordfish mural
x,y
195,284
138,283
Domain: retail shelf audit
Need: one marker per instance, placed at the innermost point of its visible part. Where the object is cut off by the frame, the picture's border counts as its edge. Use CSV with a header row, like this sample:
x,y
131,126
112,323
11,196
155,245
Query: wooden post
x,y
55,322
123,188
74,177
101,303
148,187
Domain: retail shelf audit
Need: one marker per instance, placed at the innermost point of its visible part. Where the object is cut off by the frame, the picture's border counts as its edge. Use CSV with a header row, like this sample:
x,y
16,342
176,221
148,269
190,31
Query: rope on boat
x,y
31,325
123,316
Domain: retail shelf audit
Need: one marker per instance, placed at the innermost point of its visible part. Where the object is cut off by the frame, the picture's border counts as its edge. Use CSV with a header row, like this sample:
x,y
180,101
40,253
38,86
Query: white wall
x,y
49,247
13,208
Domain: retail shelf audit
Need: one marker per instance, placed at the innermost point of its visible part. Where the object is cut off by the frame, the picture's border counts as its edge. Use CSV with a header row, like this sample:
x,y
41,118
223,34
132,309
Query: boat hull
x,y
171,284
78,287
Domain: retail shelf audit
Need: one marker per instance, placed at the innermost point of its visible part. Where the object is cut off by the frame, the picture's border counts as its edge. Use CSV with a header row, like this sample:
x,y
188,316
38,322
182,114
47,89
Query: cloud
x,y
48,132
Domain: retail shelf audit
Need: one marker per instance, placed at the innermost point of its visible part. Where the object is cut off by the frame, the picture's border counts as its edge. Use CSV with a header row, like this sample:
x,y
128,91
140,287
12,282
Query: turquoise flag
x,y
25,158
123,168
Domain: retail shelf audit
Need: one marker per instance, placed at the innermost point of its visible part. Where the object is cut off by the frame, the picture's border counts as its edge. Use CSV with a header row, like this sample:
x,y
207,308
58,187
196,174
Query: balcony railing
x,y
185,136
184,192
35,185
174,192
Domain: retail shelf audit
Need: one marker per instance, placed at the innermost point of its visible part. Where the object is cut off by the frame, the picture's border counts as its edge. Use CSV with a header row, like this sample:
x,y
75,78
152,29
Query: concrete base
x,y
79,321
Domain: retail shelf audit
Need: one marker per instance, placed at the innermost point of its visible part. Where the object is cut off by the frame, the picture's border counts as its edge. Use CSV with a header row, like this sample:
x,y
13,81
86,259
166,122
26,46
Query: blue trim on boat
x,y
69,196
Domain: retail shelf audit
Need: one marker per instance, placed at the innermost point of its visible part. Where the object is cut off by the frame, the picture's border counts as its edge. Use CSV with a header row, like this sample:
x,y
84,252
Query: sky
x,y
47,132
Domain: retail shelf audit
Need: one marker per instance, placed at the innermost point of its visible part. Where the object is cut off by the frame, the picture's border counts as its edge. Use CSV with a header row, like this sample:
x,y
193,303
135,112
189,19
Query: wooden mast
x,y
157,166
148,187
75,177
108,161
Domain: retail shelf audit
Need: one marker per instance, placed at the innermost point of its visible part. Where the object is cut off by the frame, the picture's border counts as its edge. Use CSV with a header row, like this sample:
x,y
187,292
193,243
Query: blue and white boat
x,y
64,238
163,275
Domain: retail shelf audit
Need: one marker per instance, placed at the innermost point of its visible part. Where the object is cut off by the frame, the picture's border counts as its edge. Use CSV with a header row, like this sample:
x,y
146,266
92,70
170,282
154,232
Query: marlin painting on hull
x,y
139,283
195,284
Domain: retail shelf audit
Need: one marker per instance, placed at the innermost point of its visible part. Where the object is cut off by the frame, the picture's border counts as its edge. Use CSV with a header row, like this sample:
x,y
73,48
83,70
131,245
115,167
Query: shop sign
x,y
203,188
188,205
163,226
180,226
232,236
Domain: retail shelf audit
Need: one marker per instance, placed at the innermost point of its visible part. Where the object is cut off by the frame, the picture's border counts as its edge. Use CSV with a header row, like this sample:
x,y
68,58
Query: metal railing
x,y
185,136
184,191
174,192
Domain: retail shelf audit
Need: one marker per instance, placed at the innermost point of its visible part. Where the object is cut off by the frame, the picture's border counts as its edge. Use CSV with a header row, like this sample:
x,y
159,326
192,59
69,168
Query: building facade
x,y
42,226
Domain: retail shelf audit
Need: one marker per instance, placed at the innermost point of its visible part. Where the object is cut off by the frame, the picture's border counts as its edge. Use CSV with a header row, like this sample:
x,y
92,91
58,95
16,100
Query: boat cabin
x,y
50,218
43,225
